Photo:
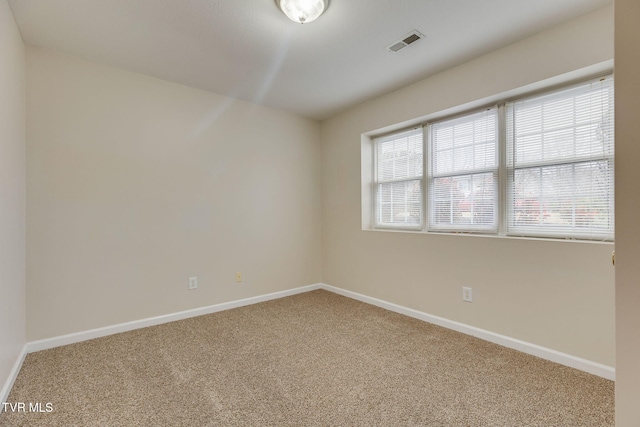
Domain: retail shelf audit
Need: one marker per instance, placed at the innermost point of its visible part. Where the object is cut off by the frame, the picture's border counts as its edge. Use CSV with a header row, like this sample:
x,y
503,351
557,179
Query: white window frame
x,y
504,179
377,182
557,231
433,176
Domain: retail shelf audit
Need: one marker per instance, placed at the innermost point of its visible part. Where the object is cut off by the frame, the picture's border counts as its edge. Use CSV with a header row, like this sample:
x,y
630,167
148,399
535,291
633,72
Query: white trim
x,y
48,343
585,365
13,374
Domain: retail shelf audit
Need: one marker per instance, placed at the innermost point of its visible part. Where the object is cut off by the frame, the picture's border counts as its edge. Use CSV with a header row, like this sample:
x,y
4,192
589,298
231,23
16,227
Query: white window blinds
x,y
560,149
398,188
463,178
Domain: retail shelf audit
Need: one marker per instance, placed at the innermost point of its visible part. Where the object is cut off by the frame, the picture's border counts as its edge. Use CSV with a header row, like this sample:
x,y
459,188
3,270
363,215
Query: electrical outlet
x,y
238,276
467,294
193,283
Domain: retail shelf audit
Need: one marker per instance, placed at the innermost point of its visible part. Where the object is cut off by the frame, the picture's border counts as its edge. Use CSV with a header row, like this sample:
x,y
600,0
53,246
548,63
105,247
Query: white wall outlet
x,y
193,283
467,294
238,276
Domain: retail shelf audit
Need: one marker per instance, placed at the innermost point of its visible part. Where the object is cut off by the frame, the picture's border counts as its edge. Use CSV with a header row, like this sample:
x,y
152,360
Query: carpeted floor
x,y
314,359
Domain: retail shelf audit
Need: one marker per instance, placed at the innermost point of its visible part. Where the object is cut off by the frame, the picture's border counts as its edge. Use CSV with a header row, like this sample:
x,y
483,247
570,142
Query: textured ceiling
x,y
248,49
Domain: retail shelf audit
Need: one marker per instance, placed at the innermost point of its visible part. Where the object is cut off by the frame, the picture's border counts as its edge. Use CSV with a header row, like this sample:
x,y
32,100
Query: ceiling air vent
x,y
405,41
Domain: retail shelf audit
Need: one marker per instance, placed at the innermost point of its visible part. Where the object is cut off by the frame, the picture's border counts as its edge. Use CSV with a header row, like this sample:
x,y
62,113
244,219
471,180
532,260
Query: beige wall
x,y
12,193
627,57
135,184
555,294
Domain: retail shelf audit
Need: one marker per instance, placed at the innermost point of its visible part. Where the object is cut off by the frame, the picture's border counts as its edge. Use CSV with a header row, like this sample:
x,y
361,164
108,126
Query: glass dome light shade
x,y
303,11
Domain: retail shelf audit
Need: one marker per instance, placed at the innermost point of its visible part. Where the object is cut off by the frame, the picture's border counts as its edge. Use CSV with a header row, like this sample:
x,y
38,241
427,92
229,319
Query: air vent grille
x,y
396,47
411,38
405,41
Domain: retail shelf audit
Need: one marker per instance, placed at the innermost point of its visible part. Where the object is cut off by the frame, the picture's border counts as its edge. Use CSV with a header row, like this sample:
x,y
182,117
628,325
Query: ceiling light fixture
x,y
303,11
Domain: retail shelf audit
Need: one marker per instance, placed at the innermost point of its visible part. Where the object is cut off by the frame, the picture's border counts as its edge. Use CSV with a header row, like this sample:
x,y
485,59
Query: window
x,y
560,163
463,173
538,166
398,180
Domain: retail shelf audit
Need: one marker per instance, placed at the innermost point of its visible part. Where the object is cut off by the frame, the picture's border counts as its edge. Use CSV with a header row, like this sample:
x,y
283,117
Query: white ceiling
x,y
248,49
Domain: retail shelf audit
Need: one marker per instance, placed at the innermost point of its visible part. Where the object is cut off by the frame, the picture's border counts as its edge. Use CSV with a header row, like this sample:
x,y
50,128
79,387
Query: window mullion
x,y
375,219
426,172
502,170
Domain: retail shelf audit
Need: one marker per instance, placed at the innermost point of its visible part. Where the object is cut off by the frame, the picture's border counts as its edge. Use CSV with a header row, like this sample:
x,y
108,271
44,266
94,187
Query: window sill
x,y
489,236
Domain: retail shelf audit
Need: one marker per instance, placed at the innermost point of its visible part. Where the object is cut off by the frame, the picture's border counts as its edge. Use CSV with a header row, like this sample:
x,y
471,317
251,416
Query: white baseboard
x,y
153,321
6,388
585,365
533,349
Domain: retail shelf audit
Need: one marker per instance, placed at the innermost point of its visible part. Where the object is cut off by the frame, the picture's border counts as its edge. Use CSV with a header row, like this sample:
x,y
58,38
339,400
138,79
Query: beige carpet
x,y
315,359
